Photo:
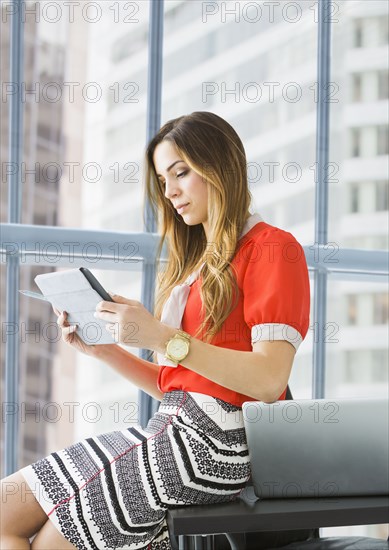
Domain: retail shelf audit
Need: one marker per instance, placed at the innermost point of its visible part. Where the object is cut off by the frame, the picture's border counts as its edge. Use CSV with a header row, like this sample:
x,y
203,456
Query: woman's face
x,y
181,184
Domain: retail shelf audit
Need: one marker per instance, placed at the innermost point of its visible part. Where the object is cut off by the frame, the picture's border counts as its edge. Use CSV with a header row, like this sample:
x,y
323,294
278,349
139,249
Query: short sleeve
x,y
276,288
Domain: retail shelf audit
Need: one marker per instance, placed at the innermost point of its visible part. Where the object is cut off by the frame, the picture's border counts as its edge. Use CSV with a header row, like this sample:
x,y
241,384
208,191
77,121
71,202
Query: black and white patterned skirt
x,y
113,490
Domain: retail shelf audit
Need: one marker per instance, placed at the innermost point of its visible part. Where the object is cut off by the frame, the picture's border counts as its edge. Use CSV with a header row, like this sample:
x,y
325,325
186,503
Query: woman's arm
x,y
262,373
143,374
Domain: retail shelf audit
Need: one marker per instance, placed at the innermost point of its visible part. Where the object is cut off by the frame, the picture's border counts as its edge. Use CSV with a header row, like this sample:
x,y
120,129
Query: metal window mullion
x,y
15,141
147,405
72,246
321,196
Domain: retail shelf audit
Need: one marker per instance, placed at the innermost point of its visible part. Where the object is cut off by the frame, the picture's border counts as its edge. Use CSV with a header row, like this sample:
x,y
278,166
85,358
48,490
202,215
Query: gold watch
x,y
177,347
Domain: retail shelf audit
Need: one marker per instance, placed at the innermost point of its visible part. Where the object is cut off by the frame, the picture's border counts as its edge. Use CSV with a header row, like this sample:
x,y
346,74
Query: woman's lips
x,y
180,210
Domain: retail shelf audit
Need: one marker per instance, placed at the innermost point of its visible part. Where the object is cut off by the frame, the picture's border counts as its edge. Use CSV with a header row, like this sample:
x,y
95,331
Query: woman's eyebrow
x,y
171,166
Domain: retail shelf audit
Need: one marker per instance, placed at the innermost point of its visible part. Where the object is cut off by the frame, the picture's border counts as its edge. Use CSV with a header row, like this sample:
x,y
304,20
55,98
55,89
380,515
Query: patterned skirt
x,y
113,490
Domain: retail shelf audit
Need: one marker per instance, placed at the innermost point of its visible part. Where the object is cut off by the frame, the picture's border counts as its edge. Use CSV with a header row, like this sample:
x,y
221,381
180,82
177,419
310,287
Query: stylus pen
x,y
34,295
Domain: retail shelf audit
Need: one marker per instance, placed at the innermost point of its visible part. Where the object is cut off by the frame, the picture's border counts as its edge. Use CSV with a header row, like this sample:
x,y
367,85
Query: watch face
x,y
178,348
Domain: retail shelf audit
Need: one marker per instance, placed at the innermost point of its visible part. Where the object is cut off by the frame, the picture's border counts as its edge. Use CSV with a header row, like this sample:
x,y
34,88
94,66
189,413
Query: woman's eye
x,y
181,174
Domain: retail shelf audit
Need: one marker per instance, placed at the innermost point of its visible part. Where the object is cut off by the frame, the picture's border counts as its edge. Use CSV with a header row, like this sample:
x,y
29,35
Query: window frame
x,y
349,263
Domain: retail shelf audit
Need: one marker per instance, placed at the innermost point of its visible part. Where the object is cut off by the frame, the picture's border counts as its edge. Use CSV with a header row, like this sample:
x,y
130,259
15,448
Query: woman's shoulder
x,y
266,246
266,233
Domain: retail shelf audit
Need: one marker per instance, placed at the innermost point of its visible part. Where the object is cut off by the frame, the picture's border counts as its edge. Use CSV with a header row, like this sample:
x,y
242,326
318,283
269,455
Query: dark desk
x,y
250,515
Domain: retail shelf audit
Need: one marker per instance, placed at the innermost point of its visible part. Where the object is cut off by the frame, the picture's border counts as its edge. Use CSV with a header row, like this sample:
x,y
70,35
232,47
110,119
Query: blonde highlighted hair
x,y
211,148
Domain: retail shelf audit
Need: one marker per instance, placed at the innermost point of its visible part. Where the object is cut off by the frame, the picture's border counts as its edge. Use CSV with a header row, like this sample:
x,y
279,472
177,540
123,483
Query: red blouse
x,y
274,304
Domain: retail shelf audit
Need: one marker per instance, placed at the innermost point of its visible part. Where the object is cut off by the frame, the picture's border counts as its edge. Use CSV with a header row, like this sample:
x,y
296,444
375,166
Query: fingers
x,y
62,319
65,325
68,332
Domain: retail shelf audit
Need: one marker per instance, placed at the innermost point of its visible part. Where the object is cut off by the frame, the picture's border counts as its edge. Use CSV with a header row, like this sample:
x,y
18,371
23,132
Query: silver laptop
x,y
318,447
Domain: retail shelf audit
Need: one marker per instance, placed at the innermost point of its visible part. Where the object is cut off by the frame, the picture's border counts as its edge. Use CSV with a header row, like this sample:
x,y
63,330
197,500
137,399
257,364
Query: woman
x,y
228,335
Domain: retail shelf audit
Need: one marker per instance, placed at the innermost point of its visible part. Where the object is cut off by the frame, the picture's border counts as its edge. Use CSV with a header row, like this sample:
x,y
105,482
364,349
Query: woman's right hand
x,y
71,337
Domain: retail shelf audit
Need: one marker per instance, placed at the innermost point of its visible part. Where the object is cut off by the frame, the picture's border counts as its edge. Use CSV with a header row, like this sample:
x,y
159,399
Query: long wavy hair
x,y
212,148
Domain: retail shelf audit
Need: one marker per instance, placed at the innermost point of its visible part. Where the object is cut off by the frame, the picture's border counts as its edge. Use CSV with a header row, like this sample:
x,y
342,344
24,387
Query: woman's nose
x,y
170,189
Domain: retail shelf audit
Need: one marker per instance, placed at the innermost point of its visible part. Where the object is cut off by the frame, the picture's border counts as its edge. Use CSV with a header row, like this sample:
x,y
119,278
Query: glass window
x,y
354,198
381,308
368,196
355,367
383,27
370,31
357,339
369,86
357,87
358,136
355,142
382,195
383,85
352,309
357,34
57,381
83,154
300,381
179,16
382,140
380,363
128,45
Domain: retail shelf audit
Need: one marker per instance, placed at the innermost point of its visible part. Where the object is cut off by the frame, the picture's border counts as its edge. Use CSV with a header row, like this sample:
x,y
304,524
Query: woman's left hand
x,y
130,323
